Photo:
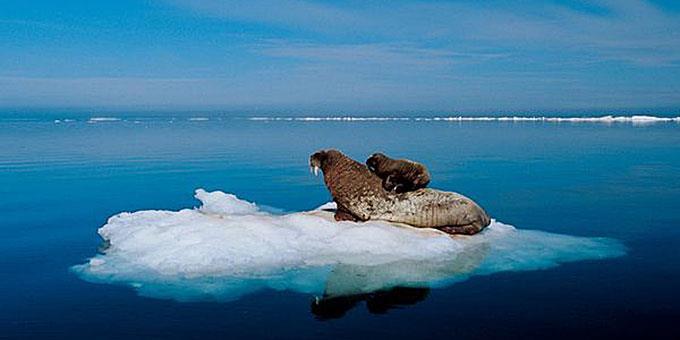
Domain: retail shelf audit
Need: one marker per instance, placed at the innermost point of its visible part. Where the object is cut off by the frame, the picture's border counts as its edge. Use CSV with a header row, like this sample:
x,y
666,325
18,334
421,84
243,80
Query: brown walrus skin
x,y
398,175
359,196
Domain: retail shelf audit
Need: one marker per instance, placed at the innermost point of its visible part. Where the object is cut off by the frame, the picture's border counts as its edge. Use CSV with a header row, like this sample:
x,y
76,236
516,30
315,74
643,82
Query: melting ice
x,y
228,247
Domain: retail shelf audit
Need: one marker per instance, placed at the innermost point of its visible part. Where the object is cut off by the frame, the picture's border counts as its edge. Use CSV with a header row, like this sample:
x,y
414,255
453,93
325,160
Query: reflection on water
x,y
379,302
348,280
391,285
60,182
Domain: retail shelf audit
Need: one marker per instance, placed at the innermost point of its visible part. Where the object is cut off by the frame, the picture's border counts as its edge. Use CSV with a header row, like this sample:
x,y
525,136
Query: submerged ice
x,y
228,247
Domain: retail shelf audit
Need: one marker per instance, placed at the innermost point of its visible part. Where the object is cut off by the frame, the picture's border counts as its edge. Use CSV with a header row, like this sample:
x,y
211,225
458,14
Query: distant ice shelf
x,y
637,119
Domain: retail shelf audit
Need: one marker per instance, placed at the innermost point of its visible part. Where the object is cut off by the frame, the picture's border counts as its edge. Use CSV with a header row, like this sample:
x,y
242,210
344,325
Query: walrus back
x,y
416,173
430,208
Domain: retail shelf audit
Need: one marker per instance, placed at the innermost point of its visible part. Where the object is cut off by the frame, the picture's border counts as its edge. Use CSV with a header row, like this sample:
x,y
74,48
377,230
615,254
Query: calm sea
x,y
61,179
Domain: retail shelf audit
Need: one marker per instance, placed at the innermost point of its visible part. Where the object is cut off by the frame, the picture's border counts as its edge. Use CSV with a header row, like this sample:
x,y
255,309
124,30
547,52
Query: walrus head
x,y
321,159
373,162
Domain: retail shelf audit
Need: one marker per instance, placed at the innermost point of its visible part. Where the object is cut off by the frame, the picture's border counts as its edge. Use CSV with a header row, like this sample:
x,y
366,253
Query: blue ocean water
x,y
60,181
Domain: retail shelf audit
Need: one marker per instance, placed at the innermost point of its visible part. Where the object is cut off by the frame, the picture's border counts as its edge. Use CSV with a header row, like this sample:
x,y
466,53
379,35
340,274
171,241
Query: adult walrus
x,y
359,196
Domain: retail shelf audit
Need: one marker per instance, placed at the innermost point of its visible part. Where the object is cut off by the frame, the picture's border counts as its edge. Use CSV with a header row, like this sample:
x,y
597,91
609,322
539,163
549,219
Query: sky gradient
x,y
340,55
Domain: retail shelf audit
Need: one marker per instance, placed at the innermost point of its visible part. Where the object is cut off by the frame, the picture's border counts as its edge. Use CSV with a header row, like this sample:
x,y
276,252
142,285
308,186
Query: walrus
x,y
359,196
398,175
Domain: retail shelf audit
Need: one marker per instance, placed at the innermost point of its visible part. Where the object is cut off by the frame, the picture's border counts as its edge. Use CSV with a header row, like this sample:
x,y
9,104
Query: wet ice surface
x,y
227,248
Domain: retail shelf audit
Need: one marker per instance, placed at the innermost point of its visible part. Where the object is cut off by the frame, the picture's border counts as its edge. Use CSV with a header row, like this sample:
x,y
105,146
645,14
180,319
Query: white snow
x,y
228,247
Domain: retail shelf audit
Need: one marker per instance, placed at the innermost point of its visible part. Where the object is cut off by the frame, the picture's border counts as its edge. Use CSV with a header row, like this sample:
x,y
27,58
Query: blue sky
x,y
340,55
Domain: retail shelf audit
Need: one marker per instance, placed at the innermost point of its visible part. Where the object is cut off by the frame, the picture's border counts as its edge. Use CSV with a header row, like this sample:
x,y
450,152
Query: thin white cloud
x,y
633,31
385,55
410,55
295,13
329,86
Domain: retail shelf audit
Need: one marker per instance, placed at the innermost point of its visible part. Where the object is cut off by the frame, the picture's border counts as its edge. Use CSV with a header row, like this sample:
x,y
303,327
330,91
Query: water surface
x,y
61,181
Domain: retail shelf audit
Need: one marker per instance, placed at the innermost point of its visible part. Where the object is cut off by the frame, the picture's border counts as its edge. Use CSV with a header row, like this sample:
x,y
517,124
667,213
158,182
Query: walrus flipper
x,y
392,184
397,184
342,214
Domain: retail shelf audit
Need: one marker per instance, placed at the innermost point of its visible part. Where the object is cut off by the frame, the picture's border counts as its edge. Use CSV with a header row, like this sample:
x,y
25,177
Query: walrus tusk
x,y
316,171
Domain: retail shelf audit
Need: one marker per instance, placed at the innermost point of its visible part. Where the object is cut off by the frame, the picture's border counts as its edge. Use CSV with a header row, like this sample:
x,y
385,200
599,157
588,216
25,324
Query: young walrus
x,y
359,196
398,175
